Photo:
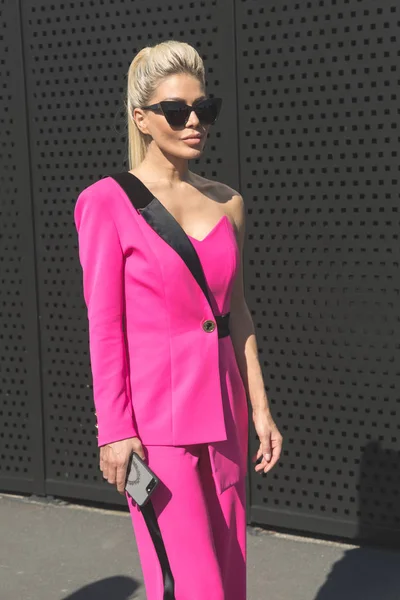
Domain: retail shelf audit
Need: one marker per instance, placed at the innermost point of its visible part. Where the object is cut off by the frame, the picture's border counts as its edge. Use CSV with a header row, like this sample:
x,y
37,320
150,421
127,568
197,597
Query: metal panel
x,y
316,127
21,435
318,113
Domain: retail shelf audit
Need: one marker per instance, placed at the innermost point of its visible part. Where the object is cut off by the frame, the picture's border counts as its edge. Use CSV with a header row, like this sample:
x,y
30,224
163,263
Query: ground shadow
x,y
371,572
116,587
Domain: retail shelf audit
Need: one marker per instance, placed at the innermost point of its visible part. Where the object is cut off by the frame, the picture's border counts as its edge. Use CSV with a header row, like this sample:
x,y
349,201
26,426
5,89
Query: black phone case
x,y
141,481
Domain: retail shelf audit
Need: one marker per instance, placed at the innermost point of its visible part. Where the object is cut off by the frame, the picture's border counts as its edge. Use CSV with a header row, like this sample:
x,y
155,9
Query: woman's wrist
x,y
262,408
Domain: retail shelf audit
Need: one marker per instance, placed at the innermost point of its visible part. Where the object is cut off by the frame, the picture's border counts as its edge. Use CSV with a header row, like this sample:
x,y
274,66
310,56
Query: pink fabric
x,y
204,533
229,457
156,372
139,291
203,529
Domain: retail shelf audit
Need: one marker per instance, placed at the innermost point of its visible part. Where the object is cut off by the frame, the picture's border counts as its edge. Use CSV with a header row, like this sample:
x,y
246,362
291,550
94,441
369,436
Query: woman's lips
x,y
192,141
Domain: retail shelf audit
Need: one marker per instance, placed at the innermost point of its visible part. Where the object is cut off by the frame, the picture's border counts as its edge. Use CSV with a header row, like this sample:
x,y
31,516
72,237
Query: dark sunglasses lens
x,y
176,113
208,110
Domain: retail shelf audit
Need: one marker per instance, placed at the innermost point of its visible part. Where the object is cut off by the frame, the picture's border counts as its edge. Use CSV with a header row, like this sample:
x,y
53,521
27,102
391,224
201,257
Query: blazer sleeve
x,y
102,261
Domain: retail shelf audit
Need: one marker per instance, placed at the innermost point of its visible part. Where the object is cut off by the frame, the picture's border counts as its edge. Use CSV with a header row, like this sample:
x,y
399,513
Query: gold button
x,y
209,325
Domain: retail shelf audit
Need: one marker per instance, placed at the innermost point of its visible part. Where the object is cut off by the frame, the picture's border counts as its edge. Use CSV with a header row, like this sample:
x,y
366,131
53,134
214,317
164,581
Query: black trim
x,y
167,227
155,533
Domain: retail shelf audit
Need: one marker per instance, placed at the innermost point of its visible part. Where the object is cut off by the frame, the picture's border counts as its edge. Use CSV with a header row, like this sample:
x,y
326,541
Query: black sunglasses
x,y
178,112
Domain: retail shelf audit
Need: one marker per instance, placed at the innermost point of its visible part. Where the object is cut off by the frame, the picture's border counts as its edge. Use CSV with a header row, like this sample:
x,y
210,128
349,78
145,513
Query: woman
x,y
173,365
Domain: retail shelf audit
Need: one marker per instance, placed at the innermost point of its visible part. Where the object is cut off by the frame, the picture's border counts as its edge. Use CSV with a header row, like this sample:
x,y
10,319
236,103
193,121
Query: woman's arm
x,y
245,346
101,258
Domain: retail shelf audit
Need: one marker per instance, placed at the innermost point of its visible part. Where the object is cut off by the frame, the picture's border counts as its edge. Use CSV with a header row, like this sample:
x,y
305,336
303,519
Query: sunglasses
x,y
178,112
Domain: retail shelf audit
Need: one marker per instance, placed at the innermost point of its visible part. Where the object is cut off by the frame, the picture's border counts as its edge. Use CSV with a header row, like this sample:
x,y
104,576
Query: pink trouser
x,y
204,532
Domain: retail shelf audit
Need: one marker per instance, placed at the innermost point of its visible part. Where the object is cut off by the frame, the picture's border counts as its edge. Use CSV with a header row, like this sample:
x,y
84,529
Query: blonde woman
x,y
172,345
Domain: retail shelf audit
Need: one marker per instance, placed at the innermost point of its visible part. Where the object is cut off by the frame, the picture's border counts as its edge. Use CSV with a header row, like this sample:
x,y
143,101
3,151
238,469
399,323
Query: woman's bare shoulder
x,y
232,200
220,191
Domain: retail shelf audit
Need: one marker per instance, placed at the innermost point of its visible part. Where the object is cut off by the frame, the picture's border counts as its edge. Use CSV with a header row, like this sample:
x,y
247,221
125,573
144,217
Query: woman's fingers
x,y
114,460
261,465
258,454
266,453
116,475
120,474
265,465
111,474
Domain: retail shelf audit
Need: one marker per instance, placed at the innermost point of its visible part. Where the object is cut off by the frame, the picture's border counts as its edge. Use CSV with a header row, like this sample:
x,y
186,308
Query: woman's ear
x,y
140,119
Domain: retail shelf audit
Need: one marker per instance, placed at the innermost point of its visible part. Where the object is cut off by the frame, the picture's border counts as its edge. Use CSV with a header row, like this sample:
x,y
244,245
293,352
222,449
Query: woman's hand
x,y
114,460
270,440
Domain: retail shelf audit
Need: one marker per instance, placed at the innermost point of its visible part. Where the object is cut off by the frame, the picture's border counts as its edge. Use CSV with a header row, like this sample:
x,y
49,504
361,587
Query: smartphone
x,y
140,481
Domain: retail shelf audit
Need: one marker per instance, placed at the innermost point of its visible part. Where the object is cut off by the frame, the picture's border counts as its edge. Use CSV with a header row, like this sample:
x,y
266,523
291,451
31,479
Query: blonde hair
x,y
146,71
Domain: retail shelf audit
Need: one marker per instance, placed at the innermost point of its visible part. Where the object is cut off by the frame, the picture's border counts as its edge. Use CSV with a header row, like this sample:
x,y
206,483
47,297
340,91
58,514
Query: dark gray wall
x,y
308,134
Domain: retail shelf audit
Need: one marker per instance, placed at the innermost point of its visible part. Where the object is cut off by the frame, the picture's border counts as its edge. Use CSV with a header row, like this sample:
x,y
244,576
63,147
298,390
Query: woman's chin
x,y
194,150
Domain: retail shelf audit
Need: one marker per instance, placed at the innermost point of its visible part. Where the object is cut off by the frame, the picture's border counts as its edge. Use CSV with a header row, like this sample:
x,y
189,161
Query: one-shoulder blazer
x,y
154,363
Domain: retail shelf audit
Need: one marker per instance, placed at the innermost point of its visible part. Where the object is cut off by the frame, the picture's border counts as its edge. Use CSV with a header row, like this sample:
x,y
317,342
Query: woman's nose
x,y
193,119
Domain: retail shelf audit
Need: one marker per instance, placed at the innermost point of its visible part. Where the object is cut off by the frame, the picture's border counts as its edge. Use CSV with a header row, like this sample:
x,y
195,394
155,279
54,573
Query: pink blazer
x,y
155,365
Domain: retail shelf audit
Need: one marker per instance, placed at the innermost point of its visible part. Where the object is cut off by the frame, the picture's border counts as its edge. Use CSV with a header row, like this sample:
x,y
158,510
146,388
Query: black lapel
x,y
163,222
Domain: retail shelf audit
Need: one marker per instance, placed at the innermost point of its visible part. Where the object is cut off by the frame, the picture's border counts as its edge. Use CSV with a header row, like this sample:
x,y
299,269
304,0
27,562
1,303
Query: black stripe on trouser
x,y
154,530
222,322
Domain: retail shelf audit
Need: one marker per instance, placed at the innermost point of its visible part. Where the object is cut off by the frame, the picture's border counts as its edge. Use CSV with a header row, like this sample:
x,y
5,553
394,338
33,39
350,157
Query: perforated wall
x,y
318,106
21,466
308,133
76,65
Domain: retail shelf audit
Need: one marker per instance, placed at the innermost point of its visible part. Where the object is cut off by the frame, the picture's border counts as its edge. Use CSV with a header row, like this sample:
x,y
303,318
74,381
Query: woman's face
x,y
171,139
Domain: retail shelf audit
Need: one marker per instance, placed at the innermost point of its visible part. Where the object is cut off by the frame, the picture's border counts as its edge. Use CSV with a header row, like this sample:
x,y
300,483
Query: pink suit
x,y
159,373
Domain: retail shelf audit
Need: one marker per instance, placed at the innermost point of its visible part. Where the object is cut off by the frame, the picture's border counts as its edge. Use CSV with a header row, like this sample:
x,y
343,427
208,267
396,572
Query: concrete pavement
x,y
55,550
